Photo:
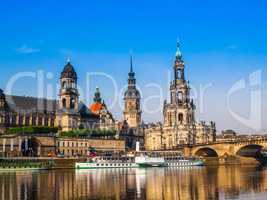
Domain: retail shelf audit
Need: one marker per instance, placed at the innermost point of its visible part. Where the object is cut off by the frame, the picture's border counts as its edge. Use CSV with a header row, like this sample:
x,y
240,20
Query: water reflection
x,y
232,182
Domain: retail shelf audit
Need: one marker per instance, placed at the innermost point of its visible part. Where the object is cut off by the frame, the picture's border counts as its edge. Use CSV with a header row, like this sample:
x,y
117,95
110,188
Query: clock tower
x,y
132,111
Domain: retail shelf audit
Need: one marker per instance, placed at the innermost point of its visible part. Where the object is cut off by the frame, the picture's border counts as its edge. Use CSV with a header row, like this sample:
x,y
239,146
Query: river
x,y
224,182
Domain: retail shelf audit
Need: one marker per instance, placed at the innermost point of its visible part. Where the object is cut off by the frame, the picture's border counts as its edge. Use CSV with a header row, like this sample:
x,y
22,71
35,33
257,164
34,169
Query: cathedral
x,y
67,112
179,126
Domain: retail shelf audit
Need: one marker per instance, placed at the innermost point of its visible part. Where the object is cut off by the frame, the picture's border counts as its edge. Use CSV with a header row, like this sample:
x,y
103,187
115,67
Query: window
x,y
64,85
64,103
179,73
72,103
40,121
34,120
179,97
13,120
52,122
46,121
27,120
20,120
180,117
73,85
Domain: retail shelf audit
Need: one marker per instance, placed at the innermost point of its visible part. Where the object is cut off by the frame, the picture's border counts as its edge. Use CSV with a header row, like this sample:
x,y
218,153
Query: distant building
x,y
179,126
99,108
229,134
67,113
27,145
43,145
154,136
81,146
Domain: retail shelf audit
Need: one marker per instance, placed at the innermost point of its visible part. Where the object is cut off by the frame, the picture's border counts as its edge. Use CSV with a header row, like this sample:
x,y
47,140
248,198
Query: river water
x,y
224,182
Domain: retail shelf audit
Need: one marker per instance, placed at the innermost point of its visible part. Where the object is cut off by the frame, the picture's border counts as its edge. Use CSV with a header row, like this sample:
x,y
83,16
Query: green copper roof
x,y
178,53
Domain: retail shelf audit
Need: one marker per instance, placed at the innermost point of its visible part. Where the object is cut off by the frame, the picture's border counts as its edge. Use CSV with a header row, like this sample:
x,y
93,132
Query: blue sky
x,y
222,42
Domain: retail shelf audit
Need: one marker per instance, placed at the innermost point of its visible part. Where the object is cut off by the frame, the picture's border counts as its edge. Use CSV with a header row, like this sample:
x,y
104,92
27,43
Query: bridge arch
x,y
249,150
206,152
30,146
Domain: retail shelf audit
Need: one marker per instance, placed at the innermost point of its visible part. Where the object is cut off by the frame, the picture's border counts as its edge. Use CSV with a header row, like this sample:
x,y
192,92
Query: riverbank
x,y
24,163
231,160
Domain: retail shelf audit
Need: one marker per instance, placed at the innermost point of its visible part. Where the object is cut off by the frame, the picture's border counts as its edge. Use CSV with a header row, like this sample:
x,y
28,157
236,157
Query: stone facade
x,y
132,108
23,145
179,126
17,111
132,129
78,146
67,113
44,145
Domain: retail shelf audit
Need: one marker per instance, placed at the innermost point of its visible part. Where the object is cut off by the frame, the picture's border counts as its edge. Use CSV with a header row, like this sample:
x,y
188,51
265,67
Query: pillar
x,y
4,145
187,151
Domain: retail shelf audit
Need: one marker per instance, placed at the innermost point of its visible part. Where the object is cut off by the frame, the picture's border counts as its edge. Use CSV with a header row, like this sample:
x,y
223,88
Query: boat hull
x,y
92,165
104,165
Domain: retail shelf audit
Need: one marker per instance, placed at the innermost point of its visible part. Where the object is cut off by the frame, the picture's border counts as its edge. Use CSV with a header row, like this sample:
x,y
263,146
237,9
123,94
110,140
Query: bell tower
x,y
180,92
68,99
132,111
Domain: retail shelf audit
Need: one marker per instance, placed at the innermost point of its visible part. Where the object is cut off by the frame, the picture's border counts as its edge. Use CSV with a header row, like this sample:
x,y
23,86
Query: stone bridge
x,y
232,148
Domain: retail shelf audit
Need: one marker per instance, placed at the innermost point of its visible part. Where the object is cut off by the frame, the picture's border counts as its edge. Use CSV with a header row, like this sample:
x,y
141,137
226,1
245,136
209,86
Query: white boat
x,y
146,161
107,162
182,162
137,161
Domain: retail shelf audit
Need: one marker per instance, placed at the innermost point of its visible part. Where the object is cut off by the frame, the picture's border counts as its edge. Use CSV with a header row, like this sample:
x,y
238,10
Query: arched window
x,y
64,103
179,97
7,119
64,84
46,120
27,120
40,120
52,122
179,74
20,120
73,84
13,119
72,103
34,120
180,117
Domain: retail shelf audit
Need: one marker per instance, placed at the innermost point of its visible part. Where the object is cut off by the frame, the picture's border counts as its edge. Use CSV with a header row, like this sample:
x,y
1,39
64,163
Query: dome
x,y
178,53
69,72
132,93
96,107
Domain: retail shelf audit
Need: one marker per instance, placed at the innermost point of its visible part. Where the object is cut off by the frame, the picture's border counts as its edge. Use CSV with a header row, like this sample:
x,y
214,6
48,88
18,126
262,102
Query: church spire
x,y
179,65
131,63
131,74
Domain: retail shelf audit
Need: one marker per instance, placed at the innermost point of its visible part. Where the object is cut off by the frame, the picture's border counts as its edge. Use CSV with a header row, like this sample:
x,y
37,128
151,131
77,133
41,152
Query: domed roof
x,y
178,53
69,72
132,93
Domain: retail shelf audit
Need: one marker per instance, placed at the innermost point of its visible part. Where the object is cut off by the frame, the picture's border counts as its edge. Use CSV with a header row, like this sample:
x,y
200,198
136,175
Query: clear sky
x,y
222,43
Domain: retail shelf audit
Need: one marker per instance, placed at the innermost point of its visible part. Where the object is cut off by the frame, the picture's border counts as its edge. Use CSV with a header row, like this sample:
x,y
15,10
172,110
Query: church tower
x,y
180,112
132,111
68,99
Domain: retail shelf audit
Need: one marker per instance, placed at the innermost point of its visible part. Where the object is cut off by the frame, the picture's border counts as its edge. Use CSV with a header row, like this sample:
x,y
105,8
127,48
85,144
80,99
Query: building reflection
x,y
155,183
